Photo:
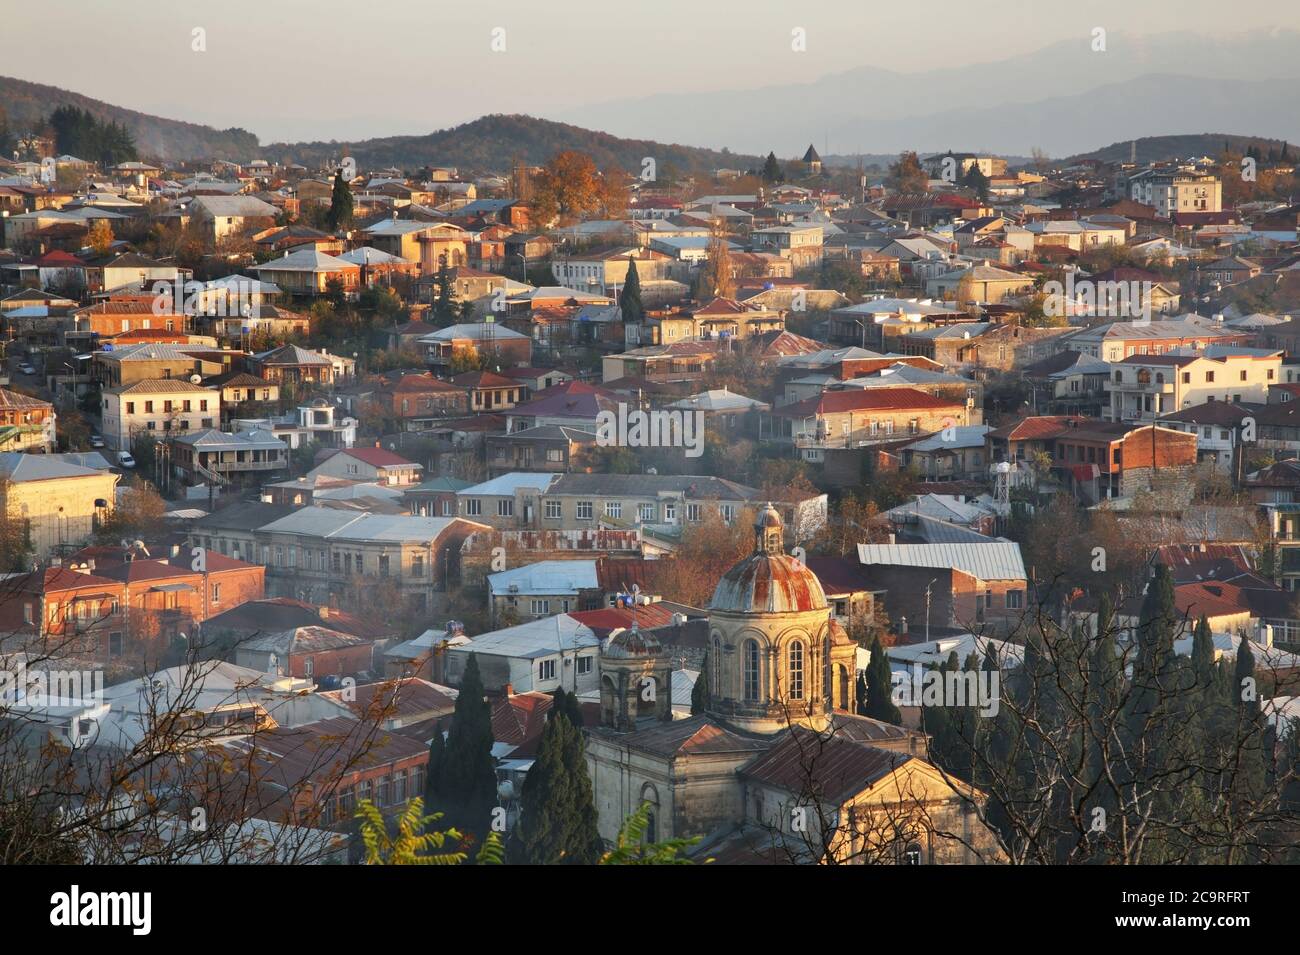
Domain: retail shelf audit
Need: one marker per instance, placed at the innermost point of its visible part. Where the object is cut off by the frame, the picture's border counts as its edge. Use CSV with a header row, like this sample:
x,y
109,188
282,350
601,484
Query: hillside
x,y
1160,148
492,143
26,105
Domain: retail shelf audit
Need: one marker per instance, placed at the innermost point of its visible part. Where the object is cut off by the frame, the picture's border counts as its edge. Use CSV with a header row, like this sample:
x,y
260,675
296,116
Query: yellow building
x,y
61,501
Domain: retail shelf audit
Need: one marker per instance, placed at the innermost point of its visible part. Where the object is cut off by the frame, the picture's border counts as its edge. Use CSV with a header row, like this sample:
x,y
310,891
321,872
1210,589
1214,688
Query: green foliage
x,y
466,783
340,213
629,297
558,821
772,169
415,842
880,704
78,133
631,848
700,697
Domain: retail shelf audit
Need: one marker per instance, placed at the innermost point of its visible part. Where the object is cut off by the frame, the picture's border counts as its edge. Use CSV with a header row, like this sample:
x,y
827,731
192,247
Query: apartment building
x,y
857,418
1171,190
156,408
1144,387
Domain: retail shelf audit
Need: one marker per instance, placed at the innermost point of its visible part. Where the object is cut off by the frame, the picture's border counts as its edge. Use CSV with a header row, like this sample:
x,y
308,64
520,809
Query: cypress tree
x,y
700,697
466,781
629,298
567,703
340,203
772,169
558,821
880,704
1203,654
433,772
860,694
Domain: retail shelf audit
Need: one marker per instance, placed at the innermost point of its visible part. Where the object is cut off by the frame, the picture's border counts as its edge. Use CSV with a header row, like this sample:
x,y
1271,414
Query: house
x,y
218,458
308,652
572,404
547,447
154,408
954,455
1143,387
1100,460
542,589
1173,190
240,388
481,341
671,362
489,392
1219,429
849,419
309,272
294,365
26,423
118,365
540,655
223,216
1115,341
420,401
949,585
369,464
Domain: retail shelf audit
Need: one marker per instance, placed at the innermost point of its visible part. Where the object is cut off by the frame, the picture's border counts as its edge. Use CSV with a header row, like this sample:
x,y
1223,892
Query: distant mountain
x,y
1161,148
1166,83
493,143
26,105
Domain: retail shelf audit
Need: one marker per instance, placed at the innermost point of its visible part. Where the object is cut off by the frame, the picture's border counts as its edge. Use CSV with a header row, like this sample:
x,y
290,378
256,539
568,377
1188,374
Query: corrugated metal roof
x,y
348,525
997,560
546,577
537,638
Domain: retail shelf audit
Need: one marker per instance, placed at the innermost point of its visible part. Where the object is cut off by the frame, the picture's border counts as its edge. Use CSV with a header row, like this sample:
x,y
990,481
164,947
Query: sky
x,y
292,70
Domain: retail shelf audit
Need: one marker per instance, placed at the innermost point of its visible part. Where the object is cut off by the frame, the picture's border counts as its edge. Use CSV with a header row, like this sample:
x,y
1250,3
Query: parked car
x,y
96,441
26,368
125,460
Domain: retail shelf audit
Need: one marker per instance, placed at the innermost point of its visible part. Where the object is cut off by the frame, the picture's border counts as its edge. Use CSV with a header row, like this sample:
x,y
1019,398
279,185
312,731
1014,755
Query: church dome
x,y
633,644
769,580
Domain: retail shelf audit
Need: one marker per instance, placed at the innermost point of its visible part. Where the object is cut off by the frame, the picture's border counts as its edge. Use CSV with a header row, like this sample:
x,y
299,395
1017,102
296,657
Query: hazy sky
x,y
329,69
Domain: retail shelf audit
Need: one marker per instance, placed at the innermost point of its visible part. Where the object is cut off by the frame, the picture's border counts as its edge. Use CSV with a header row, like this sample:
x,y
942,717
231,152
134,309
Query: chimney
x,y
509,690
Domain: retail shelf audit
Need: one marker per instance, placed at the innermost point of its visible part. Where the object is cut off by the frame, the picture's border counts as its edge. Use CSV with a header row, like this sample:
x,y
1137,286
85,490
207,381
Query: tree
x,y
467,784
906,175
715,279
569,187
100,237
880,704
629,299
558,822
415,842
16,548
772,169
340,203
138,513
700,697
631,848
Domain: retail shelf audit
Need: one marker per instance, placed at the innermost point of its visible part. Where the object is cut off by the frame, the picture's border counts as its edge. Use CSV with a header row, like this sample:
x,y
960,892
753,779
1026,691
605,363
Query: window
x,y
751,670
399,787
715,662
1187,377
555,455
1015,599
506,508
130,407
338,562
613,508
382,790
546,670
796,670
27,613
988,599
584,510
474,507
584,665
541,608
417,565
728,512
554,510
383,565
646,513
216,594
670,511
693,513
1209,376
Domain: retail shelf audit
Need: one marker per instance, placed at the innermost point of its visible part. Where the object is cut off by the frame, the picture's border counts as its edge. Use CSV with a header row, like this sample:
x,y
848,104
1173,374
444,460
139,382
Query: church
x,y
778,768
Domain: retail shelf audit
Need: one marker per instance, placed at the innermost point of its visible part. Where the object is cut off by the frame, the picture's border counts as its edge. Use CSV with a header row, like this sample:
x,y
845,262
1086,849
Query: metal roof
x,y
508,484
997,560
349,525
546,577
537,638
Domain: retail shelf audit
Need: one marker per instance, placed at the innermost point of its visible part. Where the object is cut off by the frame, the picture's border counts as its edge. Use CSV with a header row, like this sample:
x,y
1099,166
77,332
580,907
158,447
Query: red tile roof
x,y
873,399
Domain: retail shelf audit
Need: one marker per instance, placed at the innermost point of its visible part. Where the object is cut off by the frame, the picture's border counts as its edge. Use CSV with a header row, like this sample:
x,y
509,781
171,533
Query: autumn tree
x,y
139,512
906,175
570,187
715,279
100,237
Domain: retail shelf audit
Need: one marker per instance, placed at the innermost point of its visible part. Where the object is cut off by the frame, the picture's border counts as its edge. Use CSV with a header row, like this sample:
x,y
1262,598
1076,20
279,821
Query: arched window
x,y
796,670
716,666
751,670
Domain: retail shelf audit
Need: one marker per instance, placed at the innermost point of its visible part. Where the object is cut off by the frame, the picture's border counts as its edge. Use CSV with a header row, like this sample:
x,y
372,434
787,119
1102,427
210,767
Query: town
x,y
599,504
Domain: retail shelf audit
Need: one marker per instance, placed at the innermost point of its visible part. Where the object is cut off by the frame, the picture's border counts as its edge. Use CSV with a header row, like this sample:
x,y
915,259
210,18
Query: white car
x,y
96,441
125,460
26,368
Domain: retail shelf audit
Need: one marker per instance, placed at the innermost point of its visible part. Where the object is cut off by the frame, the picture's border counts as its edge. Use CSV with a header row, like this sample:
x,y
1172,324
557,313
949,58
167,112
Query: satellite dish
x,y
195,379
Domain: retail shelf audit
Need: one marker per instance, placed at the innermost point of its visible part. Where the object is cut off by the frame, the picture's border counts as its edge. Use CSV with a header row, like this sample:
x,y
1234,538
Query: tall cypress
x,y
700,697
880,704
629,299
467,782
340,211
557,824
772,169
433,772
